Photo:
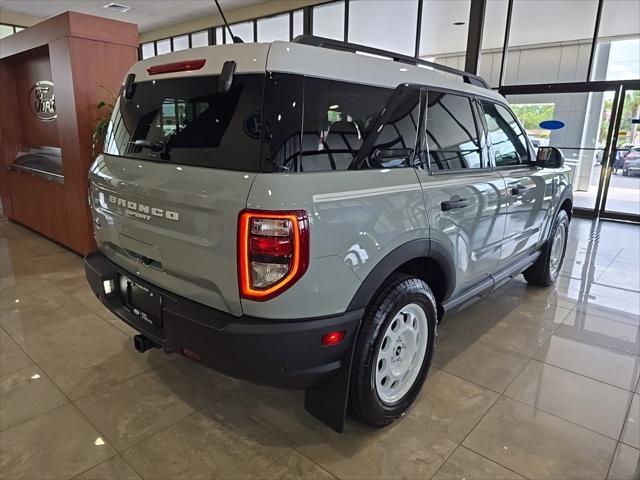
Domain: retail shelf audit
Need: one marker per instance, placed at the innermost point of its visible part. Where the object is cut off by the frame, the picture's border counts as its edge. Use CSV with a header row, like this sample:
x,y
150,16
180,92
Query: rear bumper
x,y
280,353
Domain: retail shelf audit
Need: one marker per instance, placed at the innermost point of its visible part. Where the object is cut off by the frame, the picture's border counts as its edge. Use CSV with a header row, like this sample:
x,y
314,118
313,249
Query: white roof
x,y
289,57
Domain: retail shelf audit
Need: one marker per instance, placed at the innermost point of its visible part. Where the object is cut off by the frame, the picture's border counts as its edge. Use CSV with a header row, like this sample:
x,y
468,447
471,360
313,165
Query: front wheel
x,y
546,268
393,352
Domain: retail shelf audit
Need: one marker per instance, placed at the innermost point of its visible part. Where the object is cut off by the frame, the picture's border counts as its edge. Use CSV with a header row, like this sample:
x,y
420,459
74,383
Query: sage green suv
x,y
299,215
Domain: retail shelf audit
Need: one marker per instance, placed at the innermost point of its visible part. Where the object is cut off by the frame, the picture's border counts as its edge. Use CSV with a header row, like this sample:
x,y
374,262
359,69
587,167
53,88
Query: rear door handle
x,y
454,204
518,189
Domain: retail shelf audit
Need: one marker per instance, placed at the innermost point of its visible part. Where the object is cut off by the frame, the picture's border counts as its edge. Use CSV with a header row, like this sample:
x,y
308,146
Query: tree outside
x,y
532,114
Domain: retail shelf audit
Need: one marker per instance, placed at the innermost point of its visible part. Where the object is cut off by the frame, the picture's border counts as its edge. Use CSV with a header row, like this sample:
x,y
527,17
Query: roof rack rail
x,y
397,57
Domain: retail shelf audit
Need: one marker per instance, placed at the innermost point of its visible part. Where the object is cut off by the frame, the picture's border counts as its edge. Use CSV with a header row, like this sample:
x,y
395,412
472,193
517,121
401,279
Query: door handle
x,y
518,189
454,204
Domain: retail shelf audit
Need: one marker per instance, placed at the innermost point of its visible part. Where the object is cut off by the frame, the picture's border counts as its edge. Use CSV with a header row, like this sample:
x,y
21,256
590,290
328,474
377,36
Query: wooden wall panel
x,y
40,204
10,131
83,52
90,71
29,68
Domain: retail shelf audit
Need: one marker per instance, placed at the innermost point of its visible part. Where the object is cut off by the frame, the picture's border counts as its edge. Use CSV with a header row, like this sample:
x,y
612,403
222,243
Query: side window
x,y
452,136
508,141
396,138
337,119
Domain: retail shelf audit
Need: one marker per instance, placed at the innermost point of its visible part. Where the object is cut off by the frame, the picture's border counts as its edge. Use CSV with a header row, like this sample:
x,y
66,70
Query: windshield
x,y
187,121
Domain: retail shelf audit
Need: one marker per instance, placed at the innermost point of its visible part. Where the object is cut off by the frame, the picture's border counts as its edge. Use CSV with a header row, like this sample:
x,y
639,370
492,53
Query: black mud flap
x,y
328,402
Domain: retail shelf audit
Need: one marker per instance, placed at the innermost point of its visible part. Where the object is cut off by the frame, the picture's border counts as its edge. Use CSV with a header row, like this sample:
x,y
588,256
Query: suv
x,y
298,215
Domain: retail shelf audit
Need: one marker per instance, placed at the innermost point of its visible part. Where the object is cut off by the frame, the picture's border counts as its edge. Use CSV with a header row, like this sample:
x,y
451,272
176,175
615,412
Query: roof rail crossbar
x,y
397,57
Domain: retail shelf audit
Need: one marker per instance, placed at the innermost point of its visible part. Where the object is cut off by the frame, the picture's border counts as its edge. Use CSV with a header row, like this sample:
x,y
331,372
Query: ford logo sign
x,y
42,101
552,124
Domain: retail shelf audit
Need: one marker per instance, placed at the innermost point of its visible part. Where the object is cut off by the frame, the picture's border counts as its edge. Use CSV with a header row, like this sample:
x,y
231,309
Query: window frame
x,y
482,145
489,146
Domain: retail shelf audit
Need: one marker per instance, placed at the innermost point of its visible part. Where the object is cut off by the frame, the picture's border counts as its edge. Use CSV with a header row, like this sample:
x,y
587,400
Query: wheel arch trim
x,y
416,249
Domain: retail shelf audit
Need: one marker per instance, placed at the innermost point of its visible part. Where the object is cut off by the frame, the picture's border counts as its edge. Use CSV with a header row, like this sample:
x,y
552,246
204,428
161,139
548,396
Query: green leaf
x,y
101,104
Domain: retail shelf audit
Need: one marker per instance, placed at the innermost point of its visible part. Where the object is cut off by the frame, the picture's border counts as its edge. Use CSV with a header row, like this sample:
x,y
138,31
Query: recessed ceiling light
x,y
118,7
458,23
403,69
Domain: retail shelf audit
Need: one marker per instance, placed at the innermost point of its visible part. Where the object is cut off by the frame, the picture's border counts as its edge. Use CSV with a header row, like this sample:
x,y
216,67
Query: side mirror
x,y
550,157
390,157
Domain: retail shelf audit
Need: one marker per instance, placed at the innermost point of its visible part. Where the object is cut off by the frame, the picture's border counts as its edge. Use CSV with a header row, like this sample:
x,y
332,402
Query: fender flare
x,y
567,194
421,248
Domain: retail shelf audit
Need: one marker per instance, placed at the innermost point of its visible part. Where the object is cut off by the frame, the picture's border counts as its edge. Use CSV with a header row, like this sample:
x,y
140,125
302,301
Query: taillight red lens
x,y
176,66
273,251
273,246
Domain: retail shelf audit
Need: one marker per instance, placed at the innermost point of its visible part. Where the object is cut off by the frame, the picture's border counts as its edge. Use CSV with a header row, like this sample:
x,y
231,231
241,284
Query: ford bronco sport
x,y
300,215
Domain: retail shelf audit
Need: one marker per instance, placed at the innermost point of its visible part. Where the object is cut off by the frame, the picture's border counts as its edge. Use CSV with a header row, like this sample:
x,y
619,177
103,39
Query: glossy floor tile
x,y
540,445
528,383
26,394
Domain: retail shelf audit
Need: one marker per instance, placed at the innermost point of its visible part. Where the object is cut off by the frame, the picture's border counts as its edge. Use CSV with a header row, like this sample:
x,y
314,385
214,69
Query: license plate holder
x,y
142,301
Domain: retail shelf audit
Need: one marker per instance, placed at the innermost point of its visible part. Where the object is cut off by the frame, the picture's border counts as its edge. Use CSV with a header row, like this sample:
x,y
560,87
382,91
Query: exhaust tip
x,y
143,343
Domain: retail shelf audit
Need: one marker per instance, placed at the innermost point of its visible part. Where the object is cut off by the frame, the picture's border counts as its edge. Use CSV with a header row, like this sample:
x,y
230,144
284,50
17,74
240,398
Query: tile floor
x,y
530,383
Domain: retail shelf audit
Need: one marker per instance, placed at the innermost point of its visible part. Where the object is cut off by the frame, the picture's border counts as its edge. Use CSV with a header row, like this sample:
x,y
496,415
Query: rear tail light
x,y
273,251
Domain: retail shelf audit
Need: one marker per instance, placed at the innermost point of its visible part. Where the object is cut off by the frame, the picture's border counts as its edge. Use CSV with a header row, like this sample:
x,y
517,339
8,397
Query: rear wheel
x,y
393,352
546,268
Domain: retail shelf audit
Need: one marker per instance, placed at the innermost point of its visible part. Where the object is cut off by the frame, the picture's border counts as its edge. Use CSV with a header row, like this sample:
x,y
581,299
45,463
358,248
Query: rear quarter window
x,y
328,132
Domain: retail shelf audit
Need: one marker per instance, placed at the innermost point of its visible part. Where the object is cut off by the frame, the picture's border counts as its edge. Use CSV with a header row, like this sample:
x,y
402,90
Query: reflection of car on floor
x,y
631,165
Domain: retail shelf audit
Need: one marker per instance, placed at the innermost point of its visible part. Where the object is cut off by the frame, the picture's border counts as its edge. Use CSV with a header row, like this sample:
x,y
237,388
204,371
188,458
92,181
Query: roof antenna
x,y
224,19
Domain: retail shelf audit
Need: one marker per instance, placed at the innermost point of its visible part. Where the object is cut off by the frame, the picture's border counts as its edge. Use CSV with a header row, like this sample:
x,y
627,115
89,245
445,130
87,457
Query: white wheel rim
x,y
557,249
401,353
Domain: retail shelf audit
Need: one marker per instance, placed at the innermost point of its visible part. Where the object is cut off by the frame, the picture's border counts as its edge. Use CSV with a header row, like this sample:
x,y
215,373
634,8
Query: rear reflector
x,y
273,251
332,338
176,67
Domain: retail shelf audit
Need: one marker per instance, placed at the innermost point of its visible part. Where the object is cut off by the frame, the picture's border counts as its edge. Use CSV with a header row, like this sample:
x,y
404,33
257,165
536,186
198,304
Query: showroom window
x,y
148,50
328,20
385,25
544,47
298,23
443,31
273,28
180,43
243,30
452,136
163,46
618,47
200,39
6,29
495,21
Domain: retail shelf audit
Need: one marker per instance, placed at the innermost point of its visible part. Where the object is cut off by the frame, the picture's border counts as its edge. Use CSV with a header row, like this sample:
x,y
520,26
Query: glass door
x,y
584,137
621,192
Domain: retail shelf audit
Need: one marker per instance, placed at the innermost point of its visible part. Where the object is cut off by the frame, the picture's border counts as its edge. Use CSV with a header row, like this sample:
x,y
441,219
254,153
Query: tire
x,y
546,268
401,300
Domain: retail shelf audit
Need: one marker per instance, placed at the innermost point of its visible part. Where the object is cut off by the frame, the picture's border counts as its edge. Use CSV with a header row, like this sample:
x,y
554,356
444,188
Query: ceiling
x,y
147,14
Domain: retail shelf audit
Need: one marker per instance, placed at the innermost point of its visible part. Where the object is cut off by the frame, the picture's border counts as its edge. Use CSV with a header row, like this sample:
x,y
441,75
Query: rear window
x,y
194,123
